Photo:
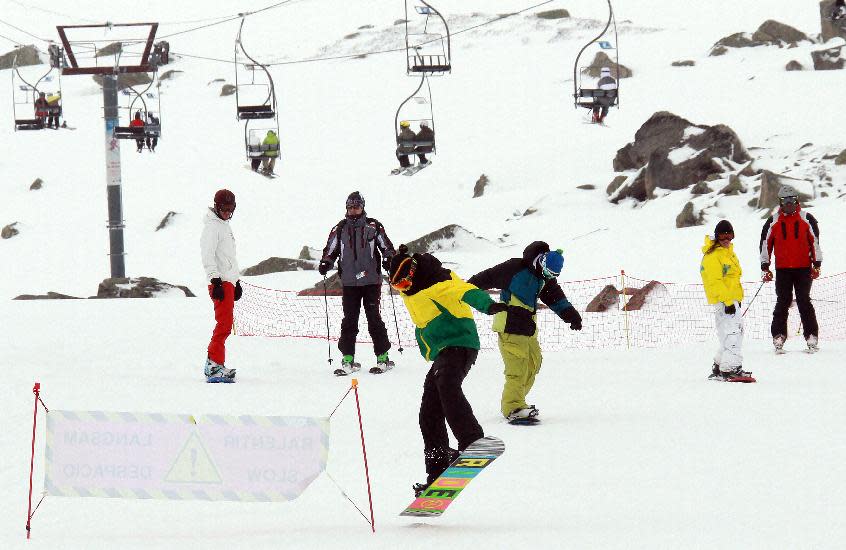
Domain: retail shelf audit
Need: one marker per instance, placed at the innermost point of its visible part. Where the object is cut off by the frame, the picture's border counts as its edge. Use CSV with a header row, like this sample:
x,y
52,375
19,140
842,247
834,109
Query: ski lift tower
x,y
101,50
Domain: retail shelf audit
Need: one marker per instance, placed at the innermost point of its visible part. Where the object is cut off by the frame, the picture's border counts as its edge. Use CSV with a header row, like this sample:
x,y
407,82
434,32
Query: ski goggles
x,y
226,208
790,200
725,237
355,203
404,283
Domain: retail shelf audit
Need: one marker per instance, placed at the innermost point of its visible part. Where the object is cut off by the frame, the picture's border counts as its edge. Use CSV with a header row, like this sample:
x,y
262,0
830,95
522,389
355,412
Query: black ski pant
x,y
353,298
444,403
786,282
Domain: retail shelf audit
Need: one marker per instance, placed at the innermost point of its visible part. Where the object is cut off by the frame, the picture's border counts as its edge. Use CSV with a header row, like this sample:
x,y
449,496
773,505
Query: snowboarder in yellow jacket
x,y
439,303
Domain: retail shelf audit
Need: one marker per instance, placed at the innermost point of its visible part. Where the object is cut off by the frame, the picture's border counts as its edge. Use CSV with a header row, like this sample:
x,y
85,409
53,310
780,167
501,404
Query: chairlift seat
x,y
431,68
129,132
588,97
252,112
261,151
29,124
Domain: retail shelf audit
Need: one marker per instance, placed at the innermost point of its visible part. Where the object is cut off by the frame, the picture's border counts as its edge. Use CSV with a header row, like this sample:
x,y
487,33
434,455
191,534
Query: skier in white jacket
x,y
217,246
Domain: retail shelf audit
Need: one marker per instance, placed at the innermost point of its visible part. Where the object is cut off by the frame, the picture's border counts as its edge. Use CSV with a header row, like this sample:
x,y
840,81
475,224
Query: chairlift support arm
x,y
611,19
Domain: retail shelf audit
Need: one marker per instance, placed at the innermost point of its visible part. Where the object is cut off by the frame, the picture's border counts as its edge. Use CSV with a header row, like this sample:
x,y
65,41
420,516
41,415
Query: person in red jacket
x,y
41,108
137,122
794,237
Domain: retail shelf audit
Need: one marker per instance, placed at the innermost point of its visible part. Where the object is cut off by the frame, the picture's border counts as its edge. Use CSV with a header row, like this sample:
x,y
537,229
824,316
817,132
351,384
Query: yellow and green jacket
x,y
720,271
439,304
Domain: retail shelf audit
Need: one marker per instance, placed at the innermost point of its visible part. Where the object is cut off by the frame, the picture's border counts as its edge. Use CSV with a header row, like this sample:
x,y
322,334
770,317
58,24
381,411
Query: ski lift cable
x,y
351,55
23,31
227,20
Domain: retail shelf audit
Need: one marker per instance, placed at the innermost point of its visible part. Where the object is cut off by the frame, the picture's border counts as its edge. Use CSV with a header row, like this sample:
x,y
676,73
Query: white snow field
x,y
636,448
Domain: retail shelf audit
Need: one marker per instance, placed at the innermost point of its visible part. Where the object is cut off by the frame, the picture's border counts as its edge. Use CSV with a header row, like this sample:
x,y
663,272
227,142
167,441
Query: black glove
x,y
386,264
217,289
497,307
324,267
570,315
765,266
731,310
238,290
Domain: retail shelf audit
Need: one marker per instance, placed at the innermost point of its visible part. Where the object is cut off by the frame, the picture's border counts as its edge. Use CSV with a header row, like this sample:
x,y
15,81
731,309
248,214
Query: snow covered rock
x,y
673,153
36,185
166,220
49,296
841,158
688,217
830,29
479,188
828,59
602,60
140,287
278,265
553,14
770,33
26,55
771,183
9,231
793,65
607,298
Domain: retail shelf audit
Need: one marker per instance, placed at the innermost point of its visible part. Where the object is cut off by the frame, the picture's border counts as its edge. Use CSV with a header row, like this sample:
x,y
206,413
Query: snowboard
x,y
531,421
270,175
443,491
740,379
410,171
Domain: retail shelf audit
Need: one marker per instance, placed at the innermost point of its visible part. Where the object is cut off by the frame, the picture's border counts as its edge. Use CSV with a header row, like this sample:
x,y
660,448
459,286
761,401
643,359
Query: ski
x,y
268,175
436,498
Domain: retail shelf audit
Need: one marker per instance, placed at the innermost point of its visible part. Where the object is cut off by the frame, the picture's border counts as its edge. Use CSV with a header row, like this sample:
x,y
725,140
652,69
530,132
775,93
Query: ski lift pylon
x,y
588,97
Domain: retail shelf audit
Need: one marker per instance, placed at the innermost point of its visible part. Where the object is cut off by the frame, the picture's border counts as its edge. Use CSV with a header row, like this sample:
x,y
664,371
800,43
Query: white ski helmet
x,y
424,124
787,191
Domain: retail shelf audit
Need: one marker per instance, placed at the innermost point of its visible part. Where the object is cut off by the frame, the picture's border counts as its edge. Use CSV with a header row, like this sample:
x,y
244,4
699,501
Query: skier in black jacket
x,y
522,282
359,241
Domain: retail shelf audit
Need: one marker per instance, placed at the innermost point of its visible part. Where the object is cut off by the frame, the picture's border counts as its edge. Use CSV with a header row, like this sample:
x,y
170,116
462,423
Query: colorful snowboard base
x,y
444,490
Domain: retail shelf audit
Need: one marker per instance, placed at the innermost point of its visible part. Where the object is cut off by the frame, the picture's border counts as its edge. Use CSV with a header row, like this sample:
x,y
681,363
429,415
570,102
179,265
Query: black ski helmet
x,y
355,199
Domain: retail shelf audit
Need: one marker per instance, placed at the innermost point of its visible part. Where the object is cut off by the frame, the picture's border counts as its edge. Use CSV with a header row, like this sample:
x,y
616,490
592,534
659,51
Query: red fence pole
x,y
35,390
364,452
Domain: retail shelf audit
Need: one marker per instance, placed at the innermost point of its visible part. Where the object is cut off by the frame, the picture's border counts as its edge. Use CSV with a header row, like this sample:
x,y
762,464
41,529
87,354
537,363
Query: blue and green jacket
x,y
521,284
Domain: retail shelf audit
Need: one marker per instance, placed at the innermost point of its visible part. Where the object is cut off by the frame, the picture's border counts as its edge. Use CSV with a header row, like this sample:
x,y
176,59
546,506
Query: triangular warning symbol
x,y
193,464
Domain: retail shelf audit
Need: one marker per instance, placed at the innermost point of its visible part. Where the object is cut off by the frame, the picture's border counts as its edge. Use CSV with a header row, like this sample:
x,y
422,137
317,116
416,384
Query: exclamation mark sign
x,y
193,463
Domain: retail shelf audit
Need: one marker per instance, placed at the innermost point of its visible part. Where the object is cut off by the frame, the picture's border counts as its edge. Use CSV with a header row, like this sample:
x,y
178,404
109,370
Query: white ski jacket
x,y
217,246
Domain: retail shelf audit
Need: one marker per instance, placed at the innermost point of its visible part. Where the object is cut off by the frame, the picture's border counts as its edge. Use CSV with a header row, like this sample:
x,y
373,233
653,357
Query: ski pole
x,y
396,323
326,304
753,299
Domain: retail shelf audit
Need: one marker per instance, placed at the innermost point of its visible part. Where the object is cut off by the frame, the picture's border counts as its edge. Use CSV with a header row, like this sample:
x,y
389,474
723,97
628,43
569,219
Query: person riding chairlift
x,y
601,104
838,11
405,143
137,122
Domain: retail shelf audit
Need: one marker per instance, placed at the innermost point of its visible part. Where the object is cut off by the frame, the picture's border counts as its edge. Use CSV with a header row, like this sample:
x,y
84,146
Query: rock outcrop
x,y
829,59
9,231
279,265
770,33
601,60
22,56
140,287
830,29
673,153
479,188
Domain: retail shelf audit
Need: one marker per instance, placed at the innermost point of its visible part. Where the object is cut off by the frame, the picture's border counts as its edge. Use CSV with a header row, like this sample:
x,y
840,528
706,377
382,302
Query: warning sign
x,y
193,464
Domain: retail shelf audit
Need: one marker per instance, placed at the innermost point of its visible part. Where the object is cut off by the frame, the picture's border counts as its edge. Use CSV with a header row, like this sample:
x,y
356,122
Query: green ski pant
x,y
522,358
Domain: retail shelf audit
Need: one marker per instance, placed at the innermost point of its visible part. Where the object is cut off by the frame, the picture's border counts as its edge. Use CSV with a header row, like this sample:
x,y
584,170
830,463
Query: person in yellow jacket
x,y
720,271
439,303
271,141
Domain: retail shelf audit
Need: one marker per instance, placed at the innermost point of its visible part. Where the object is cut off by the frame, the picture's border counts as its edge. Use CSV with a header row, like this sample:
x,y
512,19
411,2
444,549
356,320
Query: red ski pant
x,y
223,317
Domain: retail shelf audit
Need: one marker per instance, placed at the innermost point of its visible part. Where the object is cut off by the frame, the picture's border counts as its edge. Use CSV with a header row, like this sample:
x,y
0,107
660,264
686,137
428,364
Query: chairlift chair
x,y
248,108
427,52
590,97
421,97
136,102
25,94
